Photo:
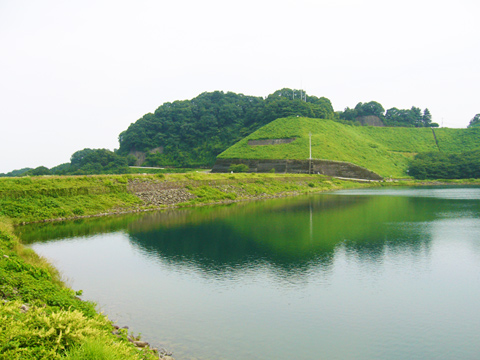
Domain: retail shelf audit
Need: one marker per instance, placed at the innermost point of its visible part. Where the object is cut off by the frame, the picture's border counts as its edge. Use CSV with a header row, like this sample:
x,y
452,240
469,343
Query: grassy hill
x,y
384,150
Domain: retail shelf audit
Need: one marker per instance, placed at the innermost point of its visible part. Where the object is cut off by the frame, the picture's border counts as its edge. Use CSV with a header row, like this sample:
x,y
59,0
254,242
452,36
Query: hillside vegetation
x,y
193,132
440,165
392,117
94,162
384,150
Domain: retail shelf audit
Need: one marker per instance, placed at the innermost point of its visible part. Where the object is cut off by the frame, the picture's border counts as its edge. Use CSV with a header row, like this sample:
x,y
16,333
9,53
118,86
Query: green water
x,y
364,274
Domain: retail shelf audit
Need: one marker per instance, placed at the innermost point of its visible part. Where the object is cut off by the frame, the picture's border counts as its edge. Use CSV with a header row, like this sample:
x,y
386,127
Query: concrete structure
x,y
370,120
323,167
270,142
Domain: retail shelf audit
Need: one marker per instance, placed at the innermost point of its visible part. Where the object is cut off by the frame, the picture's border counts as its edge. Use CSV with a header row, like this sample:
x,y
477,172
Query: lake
x,y
387,273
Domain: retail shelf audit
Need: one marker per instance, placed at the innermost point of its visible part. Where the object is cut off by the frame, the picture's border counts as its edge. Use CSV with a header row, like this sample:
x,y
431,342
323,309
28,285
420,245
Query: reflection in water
x,y
291,238
327,276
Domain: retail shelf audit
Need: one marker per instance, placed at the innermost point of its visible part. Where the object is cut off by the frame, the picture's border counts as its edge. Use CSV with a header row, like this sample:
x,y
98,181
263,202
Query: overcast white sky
x,y
74,74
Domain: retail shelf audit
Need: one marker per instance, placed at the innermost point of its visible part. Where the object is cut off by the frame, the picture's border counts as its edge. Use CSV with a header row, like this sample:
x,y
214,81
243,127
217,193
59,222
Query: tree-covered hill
x,y
193,132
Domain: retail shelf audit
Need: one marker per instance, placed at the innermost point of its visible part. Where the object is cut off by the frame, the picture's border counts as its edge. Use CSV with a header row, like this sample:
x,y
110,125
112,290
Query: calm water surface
x,y
361,274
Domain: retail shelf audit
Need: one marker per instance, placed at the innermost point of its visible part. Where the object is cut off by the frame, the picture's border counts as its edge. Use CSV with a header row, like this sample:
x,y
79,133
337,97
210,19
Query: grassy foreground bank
x,y
41,318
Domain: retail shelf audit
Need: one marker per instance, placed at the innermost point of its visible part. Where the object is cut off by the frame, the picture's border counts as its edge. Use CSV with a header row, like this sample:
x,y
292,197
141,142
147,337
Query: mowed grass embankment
x,y
386,150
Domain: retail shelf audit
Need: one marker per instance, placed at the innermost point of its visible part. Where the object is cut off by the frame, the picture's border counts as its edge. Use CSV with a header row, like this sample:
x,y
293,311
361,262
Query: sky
x,y
75,74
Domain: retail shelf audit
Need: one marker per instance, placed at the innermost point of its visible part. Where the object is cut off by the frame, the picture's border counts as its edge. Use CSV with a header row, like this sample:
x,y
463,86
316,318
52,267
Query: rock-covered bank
x,y
205,189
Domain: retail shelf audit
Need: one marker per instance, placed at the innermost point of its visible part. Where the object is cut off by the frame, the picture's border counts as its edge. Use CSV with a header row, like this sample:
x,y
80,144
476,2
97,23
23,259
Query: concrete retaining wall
x,y
323,167
370,120
270,142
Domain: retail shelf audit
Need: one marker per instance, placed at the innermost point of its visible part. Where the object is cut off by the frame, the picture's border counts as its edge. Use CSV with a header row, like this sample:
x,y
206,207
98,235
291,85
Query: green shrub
x,y
39,334
238,168
440,165
95,349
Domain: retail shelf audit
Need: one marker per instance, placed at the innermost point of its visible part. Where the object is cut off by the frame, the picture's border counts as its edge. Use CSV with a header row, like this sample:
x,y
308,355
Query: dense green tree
x,y
348,114
392,117
371,108
475,121
427,118
14,173
405,118
193,132
97,161
38,171
439,165
62,169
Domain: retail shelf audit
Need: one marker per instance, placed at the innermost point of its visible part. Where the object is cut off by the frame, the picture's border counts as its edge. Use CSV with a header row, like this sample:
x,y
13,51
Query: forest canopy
x,y
82,162
475,122
193,132
413,117
440,165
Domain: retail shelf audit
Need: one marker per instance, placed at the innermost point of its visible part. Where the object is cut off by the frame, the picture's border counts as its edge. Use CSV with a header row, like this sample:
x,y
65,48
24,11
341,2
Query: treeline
x,y
439,165
83,162
475,122
193,132
413,117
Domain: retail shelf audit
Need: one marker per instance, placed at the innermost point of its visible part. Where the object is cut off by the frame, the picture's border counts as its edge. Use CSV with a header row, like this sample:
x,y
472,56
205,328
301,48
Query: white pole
x,y
310,135
310,158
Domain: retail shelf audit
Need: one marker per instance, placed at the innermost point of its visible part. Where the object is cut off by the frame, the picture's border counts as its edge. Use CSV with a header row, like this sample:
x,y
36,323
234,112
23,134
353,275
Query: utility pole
x,y
310,157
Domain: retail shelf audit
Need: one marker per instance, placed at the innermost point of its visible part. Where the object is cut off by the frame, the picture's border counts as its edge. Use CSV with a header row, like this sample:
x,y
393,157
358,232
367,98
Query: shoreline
x,y
90,197
228,191
180,205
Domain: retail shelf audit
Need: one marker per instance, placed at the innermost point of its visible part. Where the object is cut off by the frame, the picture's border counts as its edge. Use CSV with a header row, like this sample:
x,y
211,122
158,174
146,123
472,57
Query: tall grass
x,y
37,198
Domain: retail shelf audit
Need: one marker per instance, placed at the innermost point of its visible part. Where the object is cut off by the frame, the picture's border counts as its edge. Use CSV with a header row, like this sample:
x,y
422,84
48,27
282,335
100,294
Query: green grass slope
x,y
37,198
458,140
385,151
